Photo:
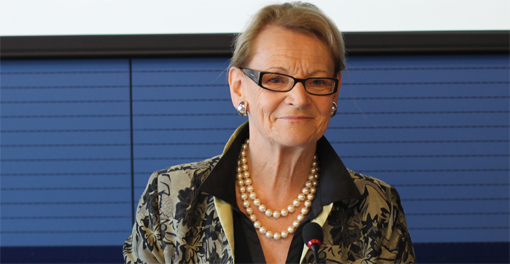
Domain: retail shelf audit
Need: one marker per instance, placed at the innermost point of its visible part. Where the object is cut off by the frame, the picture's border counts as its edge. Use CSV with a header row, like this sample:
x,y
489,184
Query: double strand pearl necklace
x,y
247,191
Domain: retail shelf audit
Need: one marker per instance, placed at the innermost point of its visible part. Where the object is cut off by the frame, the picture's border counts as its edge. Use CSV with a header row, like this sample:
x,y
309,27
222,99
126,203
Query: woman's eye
x,y
321,83
276,79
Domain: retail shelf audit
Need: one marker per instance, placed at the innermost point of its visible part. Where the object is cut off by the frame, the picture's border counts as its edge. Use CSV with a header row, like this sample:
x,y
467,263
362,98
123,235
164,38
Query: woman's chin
x,y
297,140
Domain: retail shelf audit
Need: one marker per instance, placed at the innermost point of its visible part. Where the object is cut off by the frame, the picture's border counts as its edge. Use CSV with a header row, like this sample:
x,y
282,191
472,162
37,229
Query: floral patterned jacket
x,y
177,222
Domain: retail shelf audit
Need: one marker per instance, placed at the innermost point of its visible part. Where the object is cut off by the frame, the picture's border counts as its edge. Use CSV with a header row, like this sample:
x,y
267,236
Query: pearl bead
x,y
296,203
314,183
244,196
246,203
313,190
239,169
276,214
245,146
290,208
256,202
277,236
316,176
253,195
244,160
239,176
257,224
262,208
240,182
311,178
305,190
300,217
309,184
301,197
313,170
246,174
248,182
314,164
249,188
284,212
304,210
314,157
296,223
308,203
269,234
243,153
290,229
269,212
253,218
242,189
249,210
285,234
310,196
262,230
244,167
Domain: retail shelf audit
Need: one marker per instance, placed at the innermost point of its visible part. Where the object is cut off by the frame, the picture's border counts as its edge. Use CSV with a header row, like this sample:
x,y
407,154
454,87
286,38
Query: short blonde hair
x,y
297,16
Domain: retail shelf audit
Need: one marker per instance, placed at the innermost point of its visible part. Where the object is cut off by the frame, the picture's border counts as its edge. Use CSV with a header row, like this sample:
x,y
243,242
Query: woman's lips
x,y
295,118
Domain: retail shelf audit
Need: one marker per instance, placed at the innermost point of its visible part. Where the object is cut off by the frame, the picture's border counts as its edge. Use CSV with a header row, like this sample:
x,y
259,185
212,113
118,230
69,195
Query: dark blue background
x,y
80,137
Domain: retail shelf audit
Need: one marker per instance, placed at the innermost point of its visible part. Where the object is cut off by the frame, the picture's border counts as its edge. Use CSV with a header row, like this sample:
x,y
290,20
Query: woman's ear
x,y
236,88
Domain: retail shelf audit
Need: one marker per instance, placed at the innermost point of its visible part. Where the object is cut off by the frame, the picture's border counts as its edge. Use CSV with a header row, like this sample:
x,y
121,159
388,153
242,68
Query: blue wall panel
x,y
65,152
182,113
435,127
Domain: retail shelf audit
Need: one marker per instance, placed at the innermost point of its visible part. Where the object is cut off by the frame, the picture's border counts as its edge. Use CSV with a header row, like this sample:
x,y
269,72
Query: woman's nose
x,y
298,96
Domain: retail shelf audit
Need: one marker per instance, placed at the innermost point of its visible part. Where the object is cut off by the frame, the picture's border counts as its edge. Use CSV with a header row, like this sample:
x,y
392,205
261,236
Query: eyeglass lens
x,y
277,82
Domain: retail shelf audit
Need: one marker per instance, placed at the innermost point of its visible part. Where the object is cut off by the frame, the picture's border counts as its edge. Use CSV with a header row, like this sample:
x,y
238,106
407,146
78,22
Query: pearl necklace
x,y
247,191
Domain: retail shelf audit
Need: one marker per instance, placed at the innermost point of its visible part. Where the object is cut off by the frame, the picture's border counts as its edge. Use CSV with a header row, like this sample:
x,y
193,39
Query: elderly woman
x,y
277,172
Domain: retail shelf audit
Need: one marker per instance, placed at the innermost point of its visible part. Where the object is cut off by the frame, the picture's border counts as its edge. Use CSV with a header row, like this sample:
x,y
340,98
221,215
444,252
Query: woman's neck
x,y
279,172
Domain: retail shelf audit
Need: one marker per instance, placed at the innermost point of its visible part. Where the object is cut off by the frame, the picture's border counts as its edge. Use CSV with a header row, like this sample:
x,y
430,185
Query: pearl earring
x,y
334,108
241,108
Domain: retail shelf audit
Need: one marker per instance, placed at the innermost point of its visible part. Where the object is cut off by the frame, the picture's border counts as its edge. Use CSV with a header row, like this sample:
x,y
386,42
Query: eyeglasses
x,y
278,82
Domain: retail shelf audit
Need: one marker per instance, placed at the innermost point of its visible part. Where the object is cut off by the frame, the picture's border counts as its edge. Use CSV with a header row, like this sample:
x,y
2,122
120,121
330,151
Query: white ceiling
x,y
92,17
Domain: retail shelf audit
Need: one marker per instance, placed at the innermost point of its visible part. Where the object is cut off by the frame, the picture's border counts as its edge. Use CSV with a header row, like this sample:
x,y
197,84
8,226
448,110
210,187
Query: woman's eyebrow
x,y
278,70
318,71
284,71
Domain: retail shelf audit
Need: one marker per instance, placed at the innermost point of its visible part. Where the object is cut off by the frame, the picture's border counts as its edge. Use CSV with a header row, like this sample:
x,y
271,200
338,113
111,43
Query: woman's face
x,y
290,119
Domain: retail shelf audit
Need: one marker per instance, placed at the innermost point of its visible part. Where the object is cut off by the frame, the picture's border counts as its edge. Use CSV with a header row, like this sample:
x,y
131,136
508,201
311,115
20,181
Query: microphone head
x,y
312,232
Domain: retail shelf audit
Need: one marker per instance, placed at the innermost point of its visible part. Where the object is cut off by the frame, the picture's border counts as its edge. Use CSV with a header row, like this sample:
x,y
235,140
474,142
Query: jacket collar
x,y
335,182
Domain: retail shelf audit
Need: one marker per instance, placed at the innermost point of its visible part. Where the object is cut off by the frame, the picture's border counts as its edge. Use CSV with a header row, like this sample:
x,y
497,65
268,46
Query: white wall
x,y
85,17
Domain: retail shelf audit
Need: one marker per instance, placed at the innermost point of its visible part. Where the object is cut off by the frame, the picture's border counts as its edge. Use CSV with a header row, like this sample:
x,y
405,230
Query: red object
x,y
313,241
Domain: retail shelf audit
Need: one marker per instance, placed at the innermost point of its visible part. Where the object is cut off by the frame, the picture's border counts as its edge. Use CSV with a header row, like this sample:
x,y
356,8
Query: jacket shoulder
x,y
200,166
363,182
175,183
188,173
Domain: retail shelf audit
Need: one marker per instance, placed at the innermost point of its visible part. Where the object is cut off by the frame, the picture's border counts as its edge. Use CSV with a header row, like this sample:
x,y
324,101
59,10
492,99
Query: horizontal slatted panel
x,y
65,152
437,129
182,113
434,127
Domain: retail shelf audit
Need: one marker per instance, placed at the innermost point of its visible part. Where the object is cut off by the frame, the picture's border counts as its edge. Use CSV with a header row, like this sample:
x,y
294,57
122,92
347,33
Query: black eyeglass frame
x,y
256,76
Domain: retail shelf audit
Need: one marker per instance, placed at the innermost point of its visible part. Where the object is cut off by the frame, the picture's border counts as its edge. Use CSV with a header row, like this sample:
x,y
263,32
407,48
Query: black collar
x,y
335,182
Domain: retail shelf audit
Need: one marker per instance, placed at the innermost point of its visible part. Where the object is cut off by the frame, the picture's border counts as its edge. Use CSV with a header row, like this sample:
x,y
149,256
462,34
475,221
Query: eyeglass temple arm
x,y
254,75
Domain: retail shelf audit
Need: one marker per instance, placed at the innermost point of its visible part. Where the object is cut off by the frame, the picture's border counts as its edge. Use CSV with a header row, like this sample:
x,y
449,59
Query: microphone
x,y
313,236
